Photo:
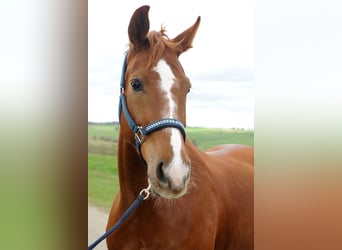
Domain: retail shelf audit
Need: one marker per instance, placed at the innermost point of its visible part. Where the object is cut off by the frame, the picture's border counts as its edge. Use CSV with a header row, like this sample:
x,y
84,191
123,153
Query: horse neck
x,y
132,172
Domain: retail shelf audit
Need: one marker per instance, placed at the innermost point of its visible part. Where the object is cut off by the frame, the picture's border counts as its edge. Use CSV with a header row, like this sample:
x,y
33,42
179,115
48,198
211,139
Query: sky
x,y
220,65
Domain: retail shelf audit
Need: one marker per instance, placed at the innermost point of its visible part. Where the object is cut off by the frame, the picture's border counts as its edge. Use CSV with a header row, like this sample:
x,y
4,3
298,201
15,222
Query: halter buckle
x,y
139,135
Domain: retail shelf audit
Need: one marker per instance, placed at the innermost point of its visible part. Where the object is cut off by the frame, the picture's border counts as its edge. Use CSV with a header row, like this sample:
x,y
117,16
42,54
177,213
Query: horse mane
x,y
157,43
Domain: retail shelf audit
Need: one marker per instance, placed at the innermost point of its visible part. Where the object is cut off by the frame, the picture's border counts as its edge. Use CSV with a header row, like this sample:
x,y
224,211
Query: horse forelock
x,y
157,43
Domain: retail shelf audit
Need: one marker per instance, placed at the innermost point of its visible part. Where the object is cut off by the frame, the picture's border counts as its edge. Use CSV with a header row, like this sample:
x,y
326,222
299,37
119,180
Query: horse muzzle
x,y
171,180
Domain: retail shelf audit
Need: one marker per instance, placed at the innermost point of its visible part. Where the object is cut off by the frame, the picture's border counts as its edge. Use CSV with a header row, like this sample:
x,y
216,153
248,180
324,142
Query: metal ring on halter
x,y
146,192
139,135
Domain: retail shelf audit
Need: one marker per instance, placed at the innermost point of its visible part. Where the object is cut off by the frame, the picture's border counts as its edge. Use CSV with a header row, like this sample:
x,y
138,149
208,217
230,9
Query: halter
x,y
141,131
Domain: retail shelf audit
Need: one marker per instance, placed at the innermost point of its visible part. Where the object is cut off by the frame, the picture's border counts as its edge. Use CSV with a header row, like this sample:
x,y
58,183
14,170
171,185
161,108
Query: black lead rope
x,y
144,194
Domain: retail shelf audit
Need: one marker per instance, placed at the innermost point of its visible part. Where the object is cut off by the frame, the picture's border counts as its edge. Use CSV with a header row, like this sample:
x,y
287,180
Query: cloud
x,y
223,104
224,74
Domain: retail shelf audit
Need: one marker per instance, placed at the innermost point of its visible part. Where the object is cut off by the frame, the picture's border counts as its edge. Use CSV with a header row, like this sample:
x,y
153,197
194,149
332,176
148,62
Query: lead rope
x,y
143,195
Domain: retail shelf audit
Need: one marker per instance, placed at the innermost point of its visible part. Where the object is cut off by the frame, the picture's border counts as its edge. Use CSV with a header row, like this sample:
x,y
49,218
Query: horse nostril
x,y
160,173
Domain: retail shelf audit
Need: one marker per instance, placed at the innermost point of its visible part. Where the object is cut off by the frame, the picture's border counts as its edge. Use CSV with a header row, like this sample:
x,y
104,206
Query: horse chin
x,y
166,193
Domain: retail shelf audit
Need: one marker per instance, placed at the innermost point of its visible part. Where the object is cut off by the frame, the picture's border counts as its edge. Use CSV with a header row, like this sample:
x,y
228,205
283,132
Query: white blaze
x,y
167,79
176,169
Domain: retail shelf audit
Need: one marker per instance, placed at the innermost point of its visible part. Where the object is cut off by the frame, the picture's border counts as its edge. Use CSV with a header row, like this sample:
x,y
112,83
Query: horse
x,y
198,200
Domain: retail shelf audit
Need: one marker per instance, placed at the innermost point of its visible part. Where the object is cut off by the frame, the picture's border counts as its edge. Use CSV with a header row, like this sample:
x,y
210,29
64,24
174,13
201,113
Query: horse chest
x,y
164,230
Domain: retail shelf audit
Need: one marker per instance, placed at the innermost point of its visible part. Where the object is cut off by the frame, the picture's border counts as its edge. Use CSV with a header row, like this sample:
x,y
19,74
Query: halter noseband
x,y
141,131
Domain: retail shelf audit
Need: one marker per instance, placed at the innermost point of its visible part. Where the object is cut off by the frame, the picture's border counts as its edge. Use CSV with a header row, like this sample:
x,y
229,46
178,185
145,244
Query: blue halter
x,y
141,131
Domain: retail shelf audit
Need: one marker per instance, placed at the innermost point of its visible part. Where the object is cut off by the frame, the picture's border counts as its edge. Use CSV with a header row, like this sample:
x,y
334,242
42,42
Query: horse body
x,y
216,213
200,200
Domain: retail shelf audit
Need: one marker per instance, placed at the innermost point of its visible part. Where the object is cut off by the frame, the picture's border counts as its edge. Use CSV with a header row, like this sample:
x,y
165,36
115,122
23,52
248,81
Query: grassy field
x,y
102,155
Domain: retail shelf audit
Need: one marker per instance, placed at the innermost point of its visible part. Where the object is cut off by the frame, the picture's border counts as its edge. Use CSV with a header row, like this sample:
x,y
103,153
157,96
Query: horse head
x,y
155,88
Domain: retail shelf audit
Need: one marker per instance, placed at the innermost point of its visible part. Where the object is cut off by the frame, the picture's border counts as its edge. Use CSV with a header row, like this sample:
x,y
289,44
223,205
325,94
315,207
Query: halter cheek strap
x,y
141,131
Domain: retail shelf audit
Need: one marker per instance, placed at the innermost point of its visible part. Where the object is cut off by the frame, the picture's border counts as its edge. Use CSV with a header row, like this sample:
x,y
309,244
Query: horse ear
x,y
139,27
186,37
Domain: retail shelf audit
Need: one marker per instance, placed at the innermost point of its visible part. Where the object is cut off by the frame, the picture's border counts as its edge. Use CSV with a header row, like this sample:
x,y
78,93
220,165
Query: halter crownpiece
x,y
141,131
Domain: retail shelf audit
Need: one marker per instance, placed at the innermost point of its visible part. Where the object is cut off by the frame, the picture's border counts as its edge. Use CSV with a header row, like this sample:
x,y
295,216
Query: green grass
x,y
103,182
109,130
103,138
205,138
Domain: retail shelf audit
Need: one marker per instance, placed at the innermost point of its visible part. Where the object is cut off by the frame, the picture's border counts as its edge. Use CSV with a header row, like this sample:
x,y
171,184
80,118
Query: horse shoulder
x,y
117,240
234,171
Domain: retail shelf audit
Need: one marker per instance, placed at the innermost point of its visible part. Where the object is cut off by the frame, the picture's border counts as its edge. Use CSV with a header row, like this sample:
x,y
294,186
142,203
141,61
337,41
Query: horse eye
x,y
137,85
189,89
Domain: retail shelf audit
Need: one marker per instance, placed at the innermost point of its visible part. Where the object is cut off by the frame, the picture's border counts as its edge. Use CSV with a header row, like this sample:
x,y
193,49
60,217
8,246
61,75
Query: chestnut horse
x,y
199,200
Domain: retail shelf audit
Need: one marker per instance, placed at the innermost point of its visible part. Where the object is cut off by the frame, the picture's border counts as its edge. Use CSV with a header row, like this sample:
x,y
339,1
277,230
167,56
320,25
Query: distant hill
x,y
103,137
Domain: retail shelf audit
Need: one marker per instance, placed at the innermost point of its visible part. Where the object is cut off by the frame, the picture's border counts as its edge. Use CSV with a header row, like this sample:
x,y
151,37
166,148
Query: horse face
x,y
156,88
162,95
